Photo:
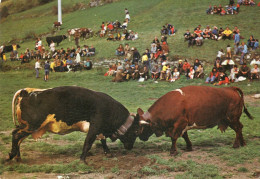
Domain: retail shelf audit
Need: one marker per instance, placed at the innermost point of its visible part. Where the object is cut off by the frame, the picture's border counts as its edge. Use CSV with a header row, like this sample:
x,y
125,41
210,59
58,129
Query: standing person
x,y
52,47
244,52
127,17
39,44
76,37
46,70
37,68
14,46
236,41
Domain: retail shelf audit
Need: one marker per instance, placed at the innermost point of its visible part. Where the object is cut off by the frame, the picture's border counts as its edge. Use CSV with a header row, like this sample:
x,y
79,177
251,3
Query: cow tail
x,y
242,98
13,104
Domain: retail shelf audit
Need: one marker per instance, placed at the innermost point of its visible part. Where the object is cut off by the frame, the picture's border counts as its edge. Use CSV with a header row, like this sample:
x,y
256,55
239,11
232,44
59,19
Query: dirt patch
x,y
249,99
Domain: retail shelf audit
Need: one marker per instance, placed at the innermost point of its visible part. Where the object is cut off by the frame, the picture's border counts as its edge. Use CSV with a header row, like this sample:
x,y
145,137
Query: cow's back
x,y
70,105
202,105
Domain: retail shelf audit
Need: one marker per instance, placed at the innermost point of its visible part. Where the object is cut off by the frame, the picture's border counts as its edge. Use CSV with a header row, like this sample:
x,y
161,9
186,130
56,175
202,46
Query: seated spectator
x,y
230,9
199,72
175,75
219,9
220,33
227,64
180,67
120,50
135,36
110,27
191,73
212,76
153,50
127,73
207,33
87,64
135,72
244,71
144,73
163,74
227,34
251,42
233,74
110,37
69,63
156,40
155,72
198,31
12,56
171,30
165,48
164,31
159,51
215,9
136,56
251,2
118,36
196,64
191,40
145,60
112,70
91,51
209,10
199,40
223,79
255,73
119,76
164,39
186,67
187,35
256,45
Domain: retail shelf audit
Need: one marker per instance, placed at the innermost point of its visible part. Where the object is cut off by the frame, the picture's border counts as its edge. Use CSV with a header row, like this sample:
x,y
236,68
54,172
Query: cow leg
x,y
104,145
17,137
90,139
237,127
179,126
187,140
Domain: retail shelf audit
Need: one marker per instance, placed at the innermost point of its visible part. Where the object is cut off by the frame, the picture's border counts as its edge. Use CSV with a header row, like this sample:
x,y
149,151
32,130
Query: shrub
x,y
4,12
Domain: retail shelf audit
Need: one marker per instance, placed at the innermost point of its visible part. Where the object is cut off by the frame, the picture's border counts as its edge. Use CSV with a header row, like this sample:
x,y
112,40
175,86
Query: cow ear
x,y
140,112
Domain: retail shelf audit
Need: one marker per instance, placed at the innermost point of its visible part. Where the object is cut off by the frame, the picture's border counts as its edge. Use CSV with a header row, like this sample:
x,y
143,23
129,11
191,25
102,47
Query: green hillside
x,y
147,18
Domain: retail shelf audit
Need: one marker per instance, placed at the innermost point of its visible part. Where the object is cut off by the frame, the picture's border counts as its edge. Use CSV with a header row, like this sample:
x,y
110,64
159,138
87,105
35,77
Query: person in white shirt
x,y
37,68
39,44
127,17
52,47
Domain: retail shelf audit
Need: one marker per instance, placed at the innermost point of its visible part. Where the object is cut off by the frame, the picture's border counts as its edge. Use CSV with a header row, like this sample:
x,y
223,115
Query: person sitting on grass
x,y
227,34
119,76
199,72
155,72
187,35
212,76
223,79
227,64
175,75
120,50
92,51
179,67
207,33
191,73
186,67
209,10
215,9
244,71
220,33
251,42
233,74
88,64
199,40
135,72
198,31
256,45
196,64
255,73
144,73
164,31
191,40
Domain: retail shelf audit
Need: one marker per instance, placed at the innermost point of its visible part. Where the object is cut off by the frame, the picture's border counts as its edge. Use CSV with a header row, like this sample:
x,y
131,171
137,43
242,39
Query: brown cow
x,y
57,25
194,107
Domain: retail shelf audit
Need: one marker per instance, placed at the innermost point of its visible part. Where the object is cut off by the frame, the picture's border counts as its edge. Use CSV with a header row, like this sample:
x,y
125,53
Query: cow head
x,y
145,130
128,139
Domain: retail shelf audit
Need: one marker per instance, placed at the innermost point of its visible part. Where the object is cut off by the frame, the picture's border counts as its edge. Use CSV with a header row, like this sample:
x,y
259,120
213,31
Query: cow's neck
x,y
123,128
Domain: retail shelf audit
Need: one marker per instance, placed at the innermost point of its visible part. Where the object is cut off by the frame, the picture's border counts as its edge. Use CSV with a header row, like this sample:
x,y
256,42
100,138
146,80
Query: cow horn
x,y
142,122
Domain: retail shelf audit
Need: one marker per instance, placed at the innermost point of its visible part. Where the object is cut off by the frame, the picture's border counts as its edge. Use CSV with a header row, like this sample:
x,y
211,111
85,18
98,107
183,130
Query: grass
x,y
144,19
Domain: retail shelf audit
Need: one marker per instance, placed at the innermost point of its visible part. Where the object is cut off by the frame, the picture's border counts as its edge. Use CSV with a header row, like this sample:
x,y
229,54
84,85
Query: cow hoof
x,y
189,149
174,153
235,146
18,159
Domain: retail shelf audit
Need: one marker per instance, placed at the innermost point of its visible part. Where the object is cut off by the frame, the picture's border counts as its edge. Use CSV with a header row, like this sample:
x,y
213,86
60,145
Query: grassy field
x,y
147,18
55,155
59,155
